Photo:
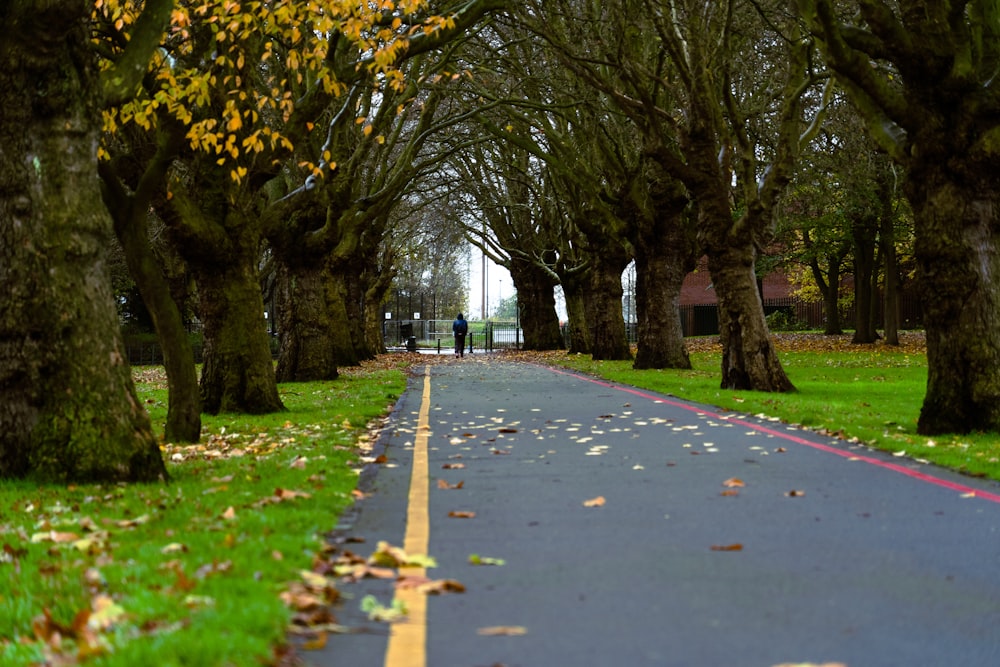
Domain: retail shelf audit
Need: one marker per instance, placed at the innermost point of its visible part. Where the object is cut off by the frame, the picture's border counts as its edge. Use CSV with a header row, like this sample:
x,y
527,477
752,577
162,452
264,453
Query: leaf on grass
x,y
595,502
727,547
229,514
105,612
461,514
502,631
288,494
54,536
174,547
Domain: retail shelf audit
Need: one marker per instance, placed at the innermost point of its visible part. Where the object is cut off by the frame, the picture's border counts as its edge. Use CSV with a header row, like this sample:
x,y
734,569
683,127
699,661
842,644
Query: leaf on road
x,y
443,484
502,631
453,466
795,493
429,586
733,483
730,492
387,555
595,502
476,559
727,547
461,514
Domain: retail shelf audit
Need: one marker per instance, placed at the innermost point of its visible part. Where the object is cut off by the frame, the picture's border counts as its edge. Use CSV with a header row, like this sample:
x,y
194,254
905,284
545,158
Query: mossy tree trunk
x,y
574,290
958,261
306,352
665,252
603,303
130,212
221,242
68,407
537,305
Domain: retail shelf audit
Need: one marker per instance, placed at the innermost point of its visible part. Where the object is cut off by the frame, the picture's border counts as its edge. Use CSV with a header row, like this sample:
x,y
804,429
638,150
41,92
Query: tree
x,y
922,75
248,83
68,408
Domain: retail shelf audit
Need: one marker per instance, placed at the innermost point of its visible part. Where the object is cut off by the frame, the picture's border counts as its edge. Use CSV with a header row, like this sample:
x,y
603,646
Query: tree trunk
x,y
238,373
576,312
603,304
887,241
958,261
184,400
658,309
537,306
863,236
68,408
831,293
306,349
343,326
749,360
665,252
130,212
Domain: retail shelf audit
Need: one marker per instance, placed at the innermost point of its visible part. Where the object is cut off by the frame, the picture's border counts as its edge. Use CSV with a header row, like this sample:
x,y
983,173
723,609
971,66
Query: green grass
x,y
871,394
190,572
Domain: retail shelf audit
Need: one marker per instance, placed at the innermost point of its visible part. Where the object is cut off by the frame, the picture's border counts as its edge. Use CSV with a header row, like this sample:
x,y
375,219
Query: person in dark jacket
x,y
460,327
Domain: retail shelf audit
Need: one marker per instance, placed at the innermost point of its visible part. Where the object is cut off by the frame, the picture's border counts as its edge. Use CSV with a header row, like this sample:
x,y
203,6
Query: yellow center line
x,y
408,638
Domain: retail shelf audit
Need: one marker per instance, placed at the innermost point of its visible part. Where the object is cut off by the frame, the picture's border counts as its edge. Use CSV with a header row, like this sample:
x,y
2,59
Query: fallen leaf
x,y
229,514
502,631
507,430
476,559
730,492
315,644
595,502
429,586
443,484
453,466
733,483
795,493
461,514
727,547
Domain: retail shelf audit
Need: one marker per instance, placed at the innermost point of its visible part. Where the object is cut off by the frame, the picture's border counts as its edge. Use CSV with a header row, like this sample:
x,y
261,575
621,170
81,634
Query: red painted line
x,y
887,465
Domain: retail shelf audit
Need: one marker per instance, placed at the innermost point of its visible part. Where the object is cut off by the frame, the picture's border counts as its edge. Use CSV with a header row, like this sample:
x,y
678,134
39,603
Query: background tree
x,y
68,409
922,76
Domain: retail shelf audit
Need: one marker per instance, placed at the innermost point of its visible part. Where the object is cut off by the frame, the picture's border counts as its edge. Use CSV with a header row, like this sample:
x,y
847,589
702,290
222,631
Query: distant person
x,y
460,327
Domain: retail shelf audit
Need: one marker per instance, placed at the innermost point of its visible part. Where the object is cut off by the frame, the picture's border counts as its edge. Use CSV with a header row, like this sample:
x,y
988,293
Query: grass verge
x,y
192,572
870,393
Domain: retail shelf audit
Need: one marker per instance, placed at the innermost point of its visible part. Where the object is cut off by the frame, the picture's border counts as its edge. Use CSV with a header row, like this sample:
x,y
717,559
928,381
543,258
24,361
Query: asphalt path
x,y
638,529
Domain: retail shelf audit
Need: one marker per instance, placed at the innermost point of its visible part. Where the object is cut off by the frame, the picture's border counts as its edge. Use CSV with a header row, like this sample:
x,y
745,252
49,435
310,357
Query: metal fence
x,y
436,335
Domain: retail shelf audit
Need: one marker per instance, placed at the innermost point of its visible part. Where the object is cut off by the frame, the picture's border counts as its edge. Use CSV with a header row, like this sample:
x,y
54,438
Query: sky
x,y
498,285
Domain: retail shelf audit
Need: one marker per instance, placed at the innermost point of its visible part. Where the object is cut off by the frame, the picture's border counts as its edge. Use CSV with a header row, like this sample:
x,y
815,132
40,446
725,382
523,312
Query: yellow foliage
x,y
218,104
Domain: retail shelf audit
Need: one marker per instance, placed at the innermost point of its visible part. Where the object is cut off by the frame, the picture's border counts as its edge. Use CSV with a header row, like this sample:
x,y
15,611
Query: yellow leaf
x,y
502,631
595,502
